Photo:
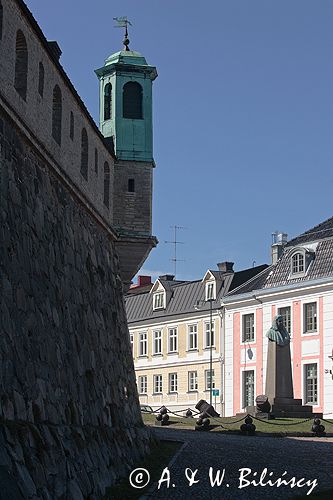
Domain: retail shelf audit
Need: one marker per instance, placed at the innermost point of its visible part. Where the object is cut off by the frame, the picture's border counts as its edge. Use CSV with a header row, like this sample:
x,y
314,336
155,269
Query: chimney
x,y
55,49
279,241
167,277
226,267
144,280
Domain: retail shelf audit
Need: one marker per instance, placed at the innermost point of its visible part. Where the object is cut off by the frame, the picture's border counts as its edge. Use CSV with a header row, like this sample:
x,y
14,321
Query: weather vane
x,y
123,22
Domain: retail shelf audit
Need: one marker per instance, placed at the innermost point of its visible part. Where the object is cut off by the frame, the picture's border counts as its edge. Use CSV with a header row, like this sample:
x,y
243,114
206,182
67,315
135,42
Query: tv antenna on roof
x,y
123,22
175,242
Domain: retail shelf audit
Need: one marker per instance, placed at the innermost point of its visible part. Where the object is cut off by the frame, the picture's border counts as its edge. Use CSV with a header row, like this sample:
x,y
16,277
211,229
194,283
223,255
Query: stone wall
x,y
70,420
132,211
35,112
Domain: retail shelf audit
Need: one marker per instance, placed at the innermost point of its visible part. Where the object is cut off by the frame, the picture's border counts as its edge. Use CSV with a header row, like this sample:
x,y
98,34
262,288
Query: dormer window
x,y
210,290
297,263
300,261
159,301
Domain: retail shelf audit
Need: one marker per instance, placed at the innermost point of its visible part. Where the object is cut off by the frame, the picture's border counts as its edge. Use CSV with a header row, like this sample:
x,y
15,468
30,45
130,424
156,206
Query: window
x,y
158,300
143,344
248,388
192,337
311,384
107,101
248,328
192,381
210,291
71,125
1,20
131,186
310,317
142,384
173,382
297,263
132,100
173,340
209,335
157,342
132,343
21,65
96,161
106,194
41,79
209,380
285,312
84,153
56,115
158,386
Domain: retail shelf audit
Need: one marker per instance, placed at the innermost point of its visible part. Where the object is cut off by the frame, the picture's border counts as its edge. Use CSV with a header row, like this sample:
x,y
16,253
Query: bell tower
x,y
125,90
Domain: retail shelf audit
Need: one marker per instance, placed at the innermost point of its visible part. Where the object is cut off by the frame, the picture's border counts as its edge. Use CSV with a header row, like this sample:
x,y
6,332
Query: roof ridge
x,y
313,230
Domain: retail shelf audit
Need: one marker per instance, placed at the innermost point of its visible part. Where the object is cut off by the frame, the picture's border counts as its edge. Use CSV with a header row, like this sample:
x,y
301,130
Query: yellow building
x,y
176,331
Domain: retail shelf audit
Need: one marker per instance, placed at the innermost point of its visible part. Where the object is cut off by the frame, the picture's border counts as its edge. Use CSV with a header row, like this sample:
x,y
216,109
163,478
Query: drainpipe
x,y
222,359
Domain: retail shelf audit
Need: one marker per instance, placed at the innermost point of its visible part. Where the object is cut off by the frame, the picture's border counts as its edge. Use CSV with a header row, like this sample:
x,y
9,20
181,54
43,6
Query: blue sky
x,y
243,115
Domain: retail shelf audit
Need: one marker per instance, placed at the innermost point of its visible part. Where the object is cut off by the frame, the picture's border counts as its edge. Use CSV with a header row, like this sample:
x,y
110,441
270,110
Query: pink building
x,y
299,286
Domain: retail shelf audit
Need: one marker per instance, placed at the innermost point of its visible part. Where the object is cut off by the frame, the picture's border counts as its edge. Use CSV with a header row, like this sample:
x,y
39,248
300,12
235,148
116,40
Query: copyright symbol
x,y
139,478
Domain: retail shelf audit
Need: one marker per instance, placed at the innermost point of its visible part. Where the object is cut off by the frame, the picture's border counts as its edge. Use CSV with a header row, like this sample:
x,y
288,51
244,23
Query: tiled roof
x,y
279,274
320,267
184,297
319,232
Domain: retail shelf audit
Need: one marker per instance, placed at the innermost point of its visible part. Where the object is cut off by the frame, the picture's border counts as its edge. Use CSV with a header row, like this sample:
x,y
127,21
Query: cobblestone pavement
x,y
308,458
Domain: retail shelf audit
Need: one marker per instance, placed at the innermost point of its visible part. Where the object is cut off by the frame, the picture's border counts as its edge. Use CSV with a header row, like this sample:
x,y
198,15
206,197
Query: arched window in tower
x,y
1,20
41,79
106,195
71,125
21,65
132,100
56,114
107,101
84,154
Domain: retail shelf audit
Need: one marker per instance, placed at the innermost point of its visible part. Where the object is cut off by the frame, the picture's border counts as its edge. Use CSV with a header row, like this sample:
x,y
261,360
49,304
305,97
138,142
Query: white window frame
x,y
172,340
298,262
143,384
143,341
306,332
173,382
192,378
158,301
158,384
210,290
244,340
157,338
192,333
243,372
207,372
304,381
132,343
207,334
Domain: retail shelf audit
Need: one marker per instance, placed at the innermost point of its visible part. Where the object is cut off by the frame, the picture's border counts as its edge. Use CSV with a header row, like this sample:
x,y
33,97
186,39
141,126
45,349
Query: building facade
x,y
299,286
177,341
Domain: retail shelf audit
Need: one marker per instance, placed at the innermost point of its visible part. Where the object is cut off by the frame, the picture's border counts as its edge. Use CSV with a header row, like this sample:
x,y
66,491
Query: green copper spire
x,y
126,102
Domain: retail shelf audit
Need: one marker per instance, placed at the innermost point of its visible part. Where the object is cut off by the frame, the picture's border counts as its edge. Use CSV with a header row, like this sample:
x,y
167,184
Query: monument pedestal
x,y
279,384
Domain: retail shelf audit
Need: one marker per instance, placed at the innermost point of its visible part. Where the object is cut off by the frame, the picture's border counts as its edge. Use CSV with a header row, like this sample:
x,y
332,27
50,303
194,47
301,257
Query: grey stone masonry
x,y
70,419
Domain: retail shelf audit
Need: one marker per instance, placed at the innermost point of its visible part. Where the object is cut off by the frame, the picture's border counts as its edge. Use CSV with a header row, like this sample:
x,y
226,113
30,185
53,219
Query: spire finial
x,y
123,23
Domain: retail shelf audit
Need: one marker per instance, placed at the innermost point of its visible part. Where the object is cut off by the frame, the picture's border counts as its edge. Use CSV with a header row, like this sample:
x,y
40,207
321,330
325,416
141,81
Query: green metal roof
x,y
126,57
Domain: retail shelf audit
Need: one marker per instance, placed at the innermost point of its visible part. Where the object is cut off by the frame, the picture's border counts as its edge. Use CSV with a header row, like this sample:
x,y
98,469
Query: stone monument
x,y
279,381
